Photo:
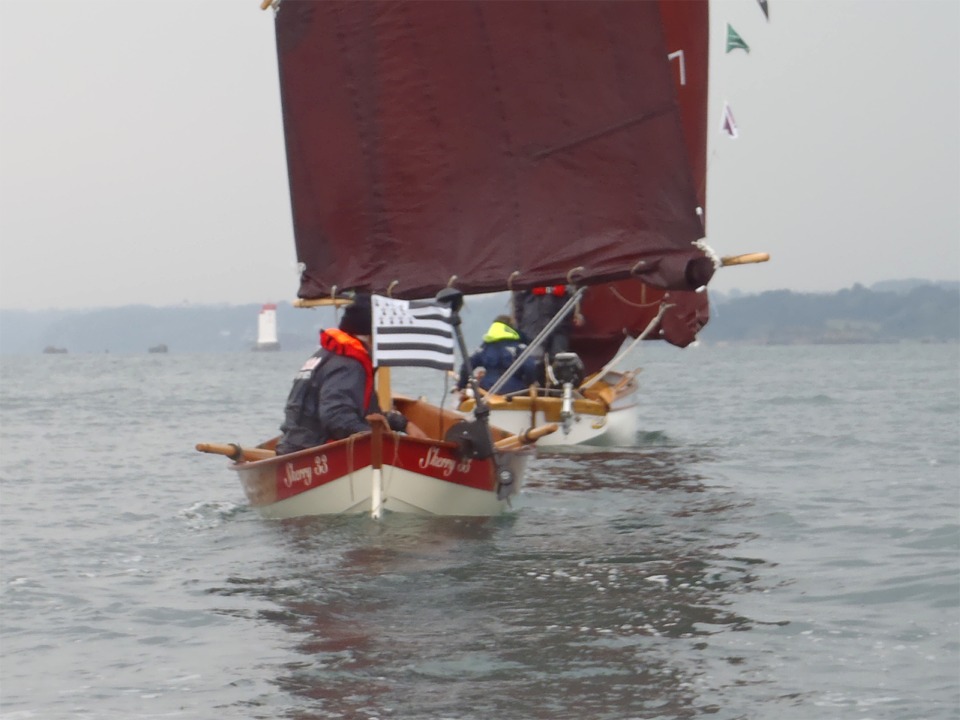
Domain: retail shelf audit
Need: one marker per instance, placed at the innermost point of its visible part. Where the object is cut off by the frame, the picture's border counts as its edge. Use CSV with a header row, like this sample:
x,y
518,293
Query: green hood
x,y
499,332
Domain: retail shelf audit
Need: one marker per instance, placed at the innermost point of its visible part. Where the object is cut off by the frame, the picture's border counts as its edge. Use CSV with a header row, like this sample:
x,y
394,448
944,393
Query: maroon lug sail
x,y
487,144
615,310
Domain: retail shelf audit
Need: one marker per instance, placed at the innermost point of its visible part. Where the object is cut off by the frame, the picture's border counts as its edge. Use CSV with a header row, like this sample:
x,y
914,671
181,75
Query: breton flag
x,y
411,333
728,125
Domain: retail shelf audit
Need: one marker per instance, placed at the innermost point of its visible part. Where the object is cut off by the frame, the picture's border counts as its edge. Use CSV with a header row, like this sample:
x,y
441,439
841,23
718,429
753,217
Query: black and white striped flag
x,y
411,333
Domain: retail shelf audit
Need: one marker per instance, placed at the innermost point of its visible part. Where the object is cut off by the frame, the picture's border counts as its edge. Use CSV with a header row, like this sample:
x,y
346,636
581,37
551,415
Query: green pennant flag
x,y
734,41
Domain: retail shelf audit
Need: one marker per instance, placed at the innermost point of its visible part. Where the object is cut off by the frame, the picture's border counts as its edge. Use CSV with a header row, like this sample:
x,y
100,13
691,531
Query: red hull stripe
x,y
304,471
309,469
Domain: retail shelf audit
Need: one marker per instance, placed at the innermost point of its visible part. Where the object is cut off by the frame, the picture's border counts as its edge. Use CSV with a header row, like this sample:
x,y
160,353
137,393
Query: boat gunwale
x,y
337,444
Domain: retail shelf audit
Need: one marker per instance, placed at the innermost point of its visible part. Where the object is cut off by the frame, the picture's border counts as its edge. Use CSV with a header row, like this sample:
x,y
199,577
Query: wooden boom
x,y
746,259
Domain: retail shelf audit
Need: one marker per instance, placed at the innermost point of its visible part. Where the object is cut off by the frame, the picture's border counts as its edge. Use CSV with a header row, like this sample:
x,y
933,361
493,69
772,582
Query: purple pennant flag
x,y
729,126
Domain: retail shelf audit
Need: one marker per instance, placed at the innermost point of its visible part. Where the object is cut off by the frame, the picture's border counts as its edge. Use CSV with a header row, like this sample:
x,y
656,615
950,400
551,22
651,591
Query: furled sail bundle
x,y
488,145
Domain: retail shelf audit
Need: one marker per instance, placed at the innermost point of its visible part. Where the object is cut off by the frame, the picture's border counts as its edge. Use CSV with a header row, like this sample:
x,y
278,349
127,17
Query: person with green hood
x,y
501,346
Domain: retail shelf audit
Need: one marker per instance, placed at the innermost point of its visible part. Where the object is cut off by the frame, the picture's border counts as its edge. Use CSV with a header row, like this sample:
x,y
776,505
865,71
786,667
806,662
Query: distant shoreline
x,y
912,311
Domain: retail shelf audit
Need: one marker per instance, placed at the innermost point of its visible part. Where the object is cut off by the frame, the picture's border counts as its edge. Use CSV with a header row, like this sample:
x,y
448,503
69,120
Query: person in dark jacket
x,y
501,346
333,392
535,308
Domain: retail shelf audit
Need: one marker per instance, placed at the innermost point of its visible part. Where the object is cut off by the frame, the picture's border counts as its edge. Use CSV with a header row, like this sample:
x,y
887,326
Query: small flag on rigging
x,y
411,333
766,10
729,126
734,41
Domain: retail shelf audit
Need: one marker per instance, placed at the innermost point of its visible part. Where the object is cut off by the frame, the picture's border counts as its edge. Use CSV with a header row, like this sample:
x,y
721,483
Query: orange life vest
x,y
337,341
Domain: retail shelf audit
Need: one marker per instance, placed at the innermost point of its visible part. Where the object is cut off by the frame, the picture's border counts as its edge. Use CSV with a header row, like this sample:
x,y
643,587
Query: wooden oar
x,y
527,437
270,444
746,259
237,453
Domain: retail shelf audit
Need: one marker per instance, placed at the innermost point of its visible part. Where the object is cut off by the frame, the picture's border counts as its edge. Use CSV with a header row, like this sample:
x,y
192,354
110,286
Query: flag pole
x,y
482,440
384,392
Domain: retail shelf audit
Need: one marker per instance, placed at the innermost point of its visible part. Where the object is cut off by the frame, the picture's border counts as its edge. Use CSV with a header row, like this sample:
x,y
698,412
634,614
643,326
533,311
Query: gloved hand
x,y
396,421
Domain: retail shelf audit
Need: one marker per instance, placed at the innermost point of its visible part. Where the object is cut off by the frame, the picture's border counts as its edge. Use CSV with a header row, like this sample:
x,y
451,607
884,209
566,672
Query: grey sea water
x,y
783,541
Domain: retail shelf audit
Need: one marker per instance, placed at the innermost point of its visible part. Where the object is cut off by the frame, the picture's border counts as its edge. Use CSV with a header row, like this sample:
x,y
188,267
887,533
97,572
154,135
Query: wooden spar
x,y
235,452
746,259
321,302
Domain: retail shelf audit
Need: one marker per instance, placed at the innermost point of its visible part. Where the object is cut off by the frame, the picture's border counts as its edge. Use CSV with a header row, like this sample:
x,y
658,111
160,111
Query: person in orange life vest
x,y
535,308
333,392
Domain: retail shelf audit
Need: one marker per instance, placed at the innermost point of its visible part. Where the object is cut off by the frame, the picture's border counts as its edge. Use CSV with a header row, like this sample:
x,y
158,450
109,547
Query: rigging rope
x,y
624,300
603,371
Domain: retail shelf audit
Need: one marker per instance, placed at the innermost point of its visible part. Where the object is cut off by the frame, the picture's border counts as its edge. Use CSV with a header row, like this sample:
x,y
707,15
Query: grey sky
x,y
142,159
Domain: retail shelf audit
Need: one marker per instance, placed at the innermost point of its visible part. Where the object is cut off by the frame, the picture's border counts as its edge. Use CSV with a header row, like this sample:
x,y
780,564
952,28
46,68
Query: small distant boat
x,y
161,348
51,350
267,329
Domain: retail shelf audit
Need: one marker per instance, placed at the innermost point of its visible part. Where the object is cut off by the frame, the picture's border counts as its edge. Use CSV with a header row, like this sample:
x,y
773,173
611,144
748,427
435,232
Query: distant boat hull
x,y
266,347
604,414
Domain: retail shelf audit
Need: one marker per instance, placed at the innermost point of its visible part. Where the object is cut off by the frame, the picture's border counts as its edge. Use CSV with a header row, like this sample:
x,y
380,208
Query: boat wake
x,y
211,513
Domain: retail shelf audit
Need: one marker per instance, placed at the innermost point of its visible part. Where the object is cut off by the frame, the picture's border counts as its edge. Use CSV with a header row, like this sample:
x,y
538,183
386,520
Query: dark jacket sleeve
x,y
476,360
480,359
528,371
341,407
